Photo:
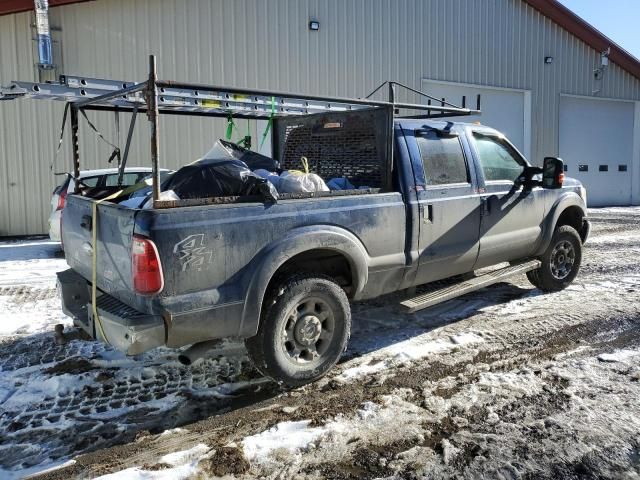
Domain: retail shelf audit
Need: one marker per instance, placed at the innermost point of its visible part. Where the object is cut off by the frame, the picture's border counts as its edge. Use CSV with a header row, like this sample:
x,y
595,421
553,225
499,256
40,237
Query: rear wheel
x,y
304,329
560,262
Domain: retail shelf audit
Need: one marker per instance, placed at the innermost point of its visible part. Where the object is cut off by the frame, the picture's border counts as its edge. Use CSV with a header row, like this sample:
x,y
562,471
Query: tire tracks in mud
x,y
320,402
521,328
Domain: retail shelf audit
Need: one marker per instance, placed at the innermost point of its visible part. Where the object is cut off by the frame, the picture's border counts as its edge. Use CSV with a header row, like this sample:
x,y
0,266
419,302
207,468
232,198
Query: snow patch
x,y
30,317
375,423
407,351
621,356
286,436
184,465
180,458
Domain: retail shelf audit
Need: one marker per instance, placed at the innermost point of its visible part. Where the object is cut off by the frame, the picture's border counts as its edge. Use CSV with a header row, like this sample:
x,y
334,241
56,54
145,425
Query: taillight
x,y
62,196
146,269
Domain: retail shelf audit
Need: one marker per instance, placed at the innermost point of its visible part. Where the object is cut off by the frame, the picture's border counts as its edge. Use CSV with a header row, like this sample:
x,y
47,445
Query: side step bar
x,y
466,286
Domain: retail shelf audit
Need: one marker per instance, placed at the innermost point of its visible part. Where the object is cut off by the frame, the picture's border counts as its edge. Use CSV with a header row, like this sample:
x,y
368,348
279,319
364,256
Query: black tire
x,y
304,329
560,262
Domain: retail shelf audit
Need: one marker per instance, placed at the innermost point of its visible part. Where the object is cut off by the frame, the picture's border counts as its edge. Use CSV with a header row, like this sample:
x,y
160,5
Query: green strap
x,y
230,126
273,114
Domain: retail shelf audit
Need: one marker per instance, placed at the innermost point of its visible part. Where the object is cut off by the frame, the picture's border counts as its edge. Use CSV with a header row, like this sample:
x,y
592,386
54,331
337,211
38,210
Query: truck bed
x,y
211,254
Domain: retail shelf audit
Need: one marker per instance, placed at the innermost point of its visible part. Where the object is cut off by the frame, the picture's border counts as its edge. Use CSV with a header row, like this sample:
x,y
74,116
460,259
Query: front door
x,y
449,207
511,225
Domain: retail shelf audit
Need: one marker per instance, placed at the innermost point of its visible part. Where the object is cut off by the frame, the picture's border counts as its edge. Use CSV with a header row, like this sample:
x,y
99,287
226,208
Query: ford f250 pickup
x,y
437,200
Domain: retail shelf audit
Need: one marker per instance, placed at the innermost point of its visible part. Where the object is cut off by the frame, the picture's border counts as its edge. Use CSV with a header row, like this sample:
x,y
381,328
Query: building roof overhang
x,y
586,32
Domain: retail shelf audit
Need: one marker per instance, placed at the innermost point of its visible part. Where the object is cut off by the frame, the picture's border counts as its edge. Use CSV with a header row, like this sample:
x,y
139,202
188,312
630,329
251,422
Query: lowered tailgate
x,y
114,233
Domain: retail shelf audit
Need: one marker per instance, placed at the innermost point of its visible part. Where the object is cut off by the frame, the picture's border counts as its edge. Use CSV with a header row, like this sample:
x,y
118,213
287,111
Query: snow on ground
x,y
20,317
599,408
405,352
502,383
33,263
59,399
27,287
179,465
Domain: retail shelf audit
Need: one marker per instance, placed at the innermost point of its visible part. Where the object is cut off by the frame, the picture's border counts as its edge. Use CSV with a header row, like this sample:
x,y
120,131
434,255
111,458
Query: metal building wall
x,y
267,44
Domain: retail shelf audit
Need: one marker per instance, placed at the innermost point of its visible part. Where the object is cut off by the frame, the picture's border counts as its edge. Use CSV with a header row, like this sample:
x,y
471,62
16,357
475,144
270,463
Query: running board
x,y
466,286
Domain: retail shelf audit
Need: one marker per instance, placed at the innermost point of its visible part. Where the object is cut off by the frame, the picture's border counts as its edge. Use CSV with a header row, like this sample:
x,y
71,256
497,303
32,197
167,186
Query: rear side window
x,y
90,181
443,159
498,159
128,179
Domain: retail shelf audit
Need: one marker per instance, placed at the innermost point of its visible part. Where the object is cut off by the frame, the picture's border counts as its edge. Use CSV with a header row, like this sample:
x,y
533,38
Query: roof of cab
x,y
413,123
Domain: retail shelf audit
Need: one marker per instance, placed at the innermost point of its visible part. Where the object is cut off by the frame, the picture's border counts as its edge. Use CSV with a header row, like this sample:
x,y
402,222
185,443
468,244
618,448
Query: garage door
x,y
596,143
503,109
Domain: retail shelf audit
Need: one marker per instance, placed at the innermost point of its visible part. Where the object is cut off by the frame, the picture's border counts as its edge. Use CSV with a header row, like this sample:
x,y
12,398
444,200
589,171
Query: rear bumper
x,y
126,329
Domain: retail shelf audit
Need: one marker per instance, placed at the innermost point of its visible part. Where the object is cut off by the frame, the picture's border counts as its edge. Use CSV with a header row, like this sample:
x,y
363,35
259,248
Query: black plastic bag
x,y
219,177
254,160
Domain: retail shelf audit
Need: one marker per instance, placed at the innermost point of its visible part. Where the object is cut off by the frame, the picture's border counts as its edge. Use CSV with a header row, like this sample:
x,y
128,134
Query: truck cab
x,y
472,206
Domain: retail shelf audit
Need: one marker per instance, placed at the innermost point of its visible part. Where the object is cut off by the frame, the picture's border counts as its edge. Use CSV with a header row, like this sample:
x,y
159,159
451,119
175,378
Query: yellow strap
x,y
94,243
305,164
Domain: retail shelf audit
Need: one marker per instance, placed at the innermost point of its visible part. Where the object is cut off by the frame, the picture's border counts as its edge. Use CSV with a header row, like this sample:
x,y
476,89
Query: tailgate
x,y
115,229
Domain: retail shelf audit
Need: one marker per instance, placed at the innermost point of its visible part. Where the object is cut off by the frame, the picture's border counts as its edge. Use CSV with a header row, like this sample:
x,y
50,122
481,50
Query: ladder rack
x,y
156,97
195,99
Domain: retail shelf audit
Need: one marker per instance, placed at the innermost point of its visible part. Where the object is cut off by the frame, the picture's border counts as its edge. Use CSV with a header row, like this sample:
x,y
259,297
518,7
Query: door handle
x,y
428,214
486,205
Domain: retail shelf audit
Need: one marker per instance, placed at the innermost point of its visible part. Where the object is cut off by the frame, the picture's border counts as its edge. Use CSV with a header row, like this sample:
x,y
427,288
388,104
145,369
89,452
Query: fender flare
x,y
566,200
267,262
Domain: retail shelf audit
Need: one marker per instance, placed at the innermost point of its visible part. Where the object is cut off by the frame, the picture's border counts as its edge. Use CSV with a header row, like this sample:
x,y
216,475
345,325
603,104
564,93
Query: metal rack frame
x,y
160,97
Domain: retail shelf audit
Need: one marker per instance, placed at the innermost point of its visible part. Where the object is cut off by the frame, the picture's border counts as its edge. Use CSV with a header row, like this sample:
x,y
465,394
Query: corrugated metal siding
x,y
267,44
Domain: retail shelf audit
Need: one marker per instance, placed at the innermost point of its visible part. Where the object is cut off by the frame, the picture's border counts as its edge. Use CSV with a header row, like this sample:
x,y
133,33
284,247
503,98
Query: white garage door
x,y
596,143
505,110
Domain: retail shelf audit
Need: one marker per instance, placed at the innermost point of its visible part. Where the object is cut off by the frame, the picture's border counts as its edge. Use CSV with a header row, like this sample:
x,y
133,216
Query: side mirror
x,y
552,173
526,177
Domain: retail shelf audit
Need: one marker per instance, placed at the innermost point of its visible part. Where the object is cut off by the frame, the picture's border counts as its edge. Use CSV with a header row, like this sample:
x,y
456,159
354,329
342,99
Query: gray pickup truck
x,y
418,200
460,197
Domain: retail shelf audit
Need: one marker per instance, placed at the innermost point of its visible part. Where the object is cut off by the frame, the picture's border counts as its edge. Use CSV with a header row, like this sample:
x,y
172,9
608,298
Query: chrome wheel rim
x,y
308,330
563,258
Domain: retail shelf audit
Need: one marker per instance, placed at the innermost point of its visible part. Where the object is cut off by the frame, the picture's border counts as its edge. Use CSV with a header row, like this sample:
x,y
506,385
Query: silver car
x,y
106,177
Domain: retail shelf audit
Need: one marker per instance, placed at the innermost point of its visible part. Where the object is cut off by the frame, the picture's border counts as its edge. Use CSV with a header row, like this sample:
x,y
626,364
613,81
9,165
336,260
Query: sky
x,y
617,19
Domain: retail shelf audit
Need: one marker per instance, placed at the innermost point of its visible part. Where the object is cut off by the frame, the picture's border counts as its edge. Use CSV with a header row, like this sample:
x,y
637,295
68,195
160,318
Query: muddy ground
x,y
548,388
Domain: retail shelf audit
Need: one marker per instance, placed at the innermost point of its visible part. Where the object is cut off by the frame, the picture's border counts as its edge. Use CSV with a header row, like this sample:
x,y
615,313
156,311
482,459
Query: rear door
x,y
449,207
511,224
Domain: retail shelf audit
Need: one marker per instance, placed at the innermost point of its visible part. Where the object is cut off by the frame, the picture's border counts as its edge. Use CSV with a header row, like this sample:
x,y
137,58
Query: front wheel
x,y
560,262
304,329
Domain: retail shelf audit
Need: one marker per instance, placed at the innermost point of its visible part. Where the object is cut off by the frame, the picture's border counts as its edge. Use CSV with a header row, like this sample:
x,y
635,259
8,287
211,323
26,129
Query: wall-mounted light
x,y
314,25
604,57
598,73
548,60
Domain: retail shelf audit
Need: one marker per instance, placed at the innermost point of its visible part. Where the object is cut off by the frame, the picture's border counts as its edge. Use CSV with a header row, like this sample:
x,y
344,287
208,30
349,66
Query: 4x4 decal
x,y
193,253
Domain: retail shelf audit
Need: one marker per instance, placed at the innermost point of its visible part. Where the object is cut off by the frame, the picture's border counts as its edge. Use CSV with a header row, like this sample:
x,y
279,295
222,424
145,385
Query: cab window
x,y
498,159
443,159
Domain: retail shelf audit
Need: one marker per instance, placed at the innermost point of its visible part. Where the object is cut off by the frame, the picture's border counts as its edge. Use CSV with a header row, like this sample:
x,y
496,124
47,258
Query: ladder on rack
x,y
194,99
